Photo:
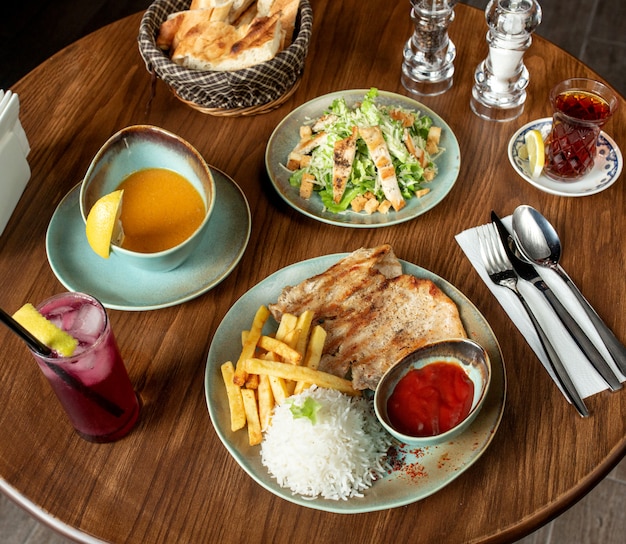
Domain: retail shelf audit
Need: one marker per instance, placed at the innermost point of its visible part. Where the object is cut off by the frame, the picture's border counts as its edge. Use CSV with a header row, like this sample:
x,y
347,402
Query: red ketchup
x,y
430,400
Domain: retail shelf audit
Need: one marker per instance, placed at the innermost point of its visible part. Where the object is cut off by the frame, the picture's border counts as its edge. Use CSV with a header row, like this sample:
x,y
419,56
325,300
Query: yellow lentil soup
x,y
160,210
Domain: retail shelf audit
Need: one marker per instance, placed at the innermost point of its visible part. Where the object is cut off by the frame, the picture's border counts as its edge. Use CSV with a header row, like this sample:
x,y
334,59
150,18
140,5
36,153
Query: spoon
x,y
539,243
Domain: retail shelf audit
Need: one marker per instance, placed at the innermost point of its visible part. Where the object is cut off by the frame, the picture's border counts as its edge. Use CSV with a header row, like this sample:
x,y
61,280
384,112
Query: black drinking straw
x,y
33,343
40,348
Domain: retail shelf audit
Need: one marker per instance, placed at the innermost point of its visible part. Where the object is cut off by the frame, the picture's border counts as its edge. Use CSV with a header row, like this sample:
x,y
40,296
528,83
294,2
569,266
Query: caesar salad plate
x,y
286,136
606,169
416,473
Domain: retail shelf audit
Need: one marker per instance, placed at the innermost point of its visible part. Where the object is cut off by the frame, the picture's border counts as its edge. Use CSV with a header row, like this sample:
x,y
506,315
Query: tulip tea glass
x,y
92,385
581,107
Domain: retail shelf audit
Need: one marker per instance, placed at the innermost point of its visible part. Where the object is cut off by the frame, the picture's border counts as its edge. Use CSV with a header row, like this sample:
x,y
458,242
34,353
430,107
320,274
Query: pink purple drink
x,y
92,385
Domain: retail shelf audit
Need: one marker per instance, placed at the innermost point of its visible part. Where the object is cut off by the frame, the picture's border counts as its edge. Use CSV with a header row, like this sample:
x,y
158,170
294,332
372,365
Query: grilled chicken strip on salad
x,y
386,173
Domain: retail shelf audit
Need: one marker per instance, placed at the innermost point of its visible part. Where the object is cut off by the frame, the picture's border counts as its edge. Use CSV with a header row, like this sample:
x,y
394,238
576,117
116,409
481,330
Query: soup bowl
x,y
141,147
473,361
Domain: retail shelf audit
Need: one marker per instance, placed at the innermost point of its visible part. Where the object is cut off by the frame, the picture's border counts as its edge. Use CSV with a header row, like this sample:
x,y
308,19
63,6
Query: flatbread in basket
x,y
252,90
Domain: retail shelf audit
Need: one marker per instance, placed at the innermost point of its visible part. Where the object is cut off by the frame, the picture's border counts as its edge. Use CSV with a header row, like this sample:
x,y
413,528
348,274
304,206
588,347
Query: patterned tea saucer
x,y
607,168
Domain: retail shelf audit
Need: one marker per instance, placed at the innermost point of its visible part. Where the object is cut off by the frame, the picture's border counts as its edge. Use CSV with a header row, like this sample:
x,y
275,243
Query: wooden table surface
x,y
171,479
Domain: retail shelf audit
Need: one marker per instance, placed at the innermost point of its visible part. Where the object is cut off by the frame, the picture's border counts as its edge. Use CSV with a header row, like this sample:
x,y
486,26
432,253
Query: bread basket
x,y
258,89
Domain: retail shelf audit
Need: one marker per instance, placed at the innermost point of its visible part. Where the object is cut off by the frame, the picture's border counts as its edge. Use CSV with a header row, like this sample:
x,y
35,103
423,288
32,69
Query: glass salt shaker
x,y
500,81
429,54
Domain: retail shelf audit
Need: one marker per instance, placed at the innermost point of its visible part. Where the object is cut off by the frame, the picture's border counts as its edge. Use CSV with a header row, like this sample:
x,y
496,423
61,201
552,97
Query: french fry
x,y
288,333
255,436
235,400
266,401
313,355
291,338
299,387
287,324
304,324
299,373
249,345
278,385
287,353
279,389
315,348
252,381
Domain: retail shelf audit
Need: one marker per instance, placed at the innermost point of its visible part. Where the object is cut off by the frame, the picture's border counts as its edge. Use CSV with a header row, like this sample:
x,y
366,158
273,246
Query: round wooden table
x,y
171,479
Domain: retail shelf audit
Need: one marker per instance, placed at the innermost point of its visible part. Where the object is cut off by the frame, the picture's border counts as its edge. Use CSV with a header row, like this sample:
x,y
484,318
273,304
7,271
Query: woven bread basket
x,y
258,89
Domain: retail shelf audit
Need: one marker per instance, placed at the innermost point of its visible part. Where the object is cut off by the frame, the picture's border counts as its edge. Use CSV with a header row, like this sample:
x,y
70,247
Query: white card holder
x,y
14,148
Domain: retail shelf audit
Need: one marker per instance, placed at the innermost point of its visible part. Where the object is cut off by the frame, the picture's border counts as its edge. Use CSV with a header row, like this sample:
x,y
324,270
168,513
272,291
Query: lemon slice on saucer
x,y
103,225
45,331
536,152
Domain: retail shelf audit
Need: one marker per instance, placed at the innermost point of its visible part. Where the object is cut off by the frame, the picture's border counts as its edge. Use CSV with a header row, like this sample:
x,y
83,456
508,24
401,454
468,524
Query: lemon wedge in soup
x,y
45,331
536,152
103,225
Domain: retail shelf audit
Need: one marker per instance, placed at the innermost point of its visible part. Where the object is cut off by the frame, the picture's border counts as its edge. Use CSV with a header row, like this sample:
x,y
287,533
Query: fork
x,y
500,271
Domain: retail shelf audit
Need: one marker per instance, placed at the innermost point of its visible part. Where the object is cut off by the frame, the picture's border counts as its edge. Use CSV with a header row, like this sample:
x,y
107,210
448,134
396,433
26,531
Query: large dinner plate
x,y
286,136
417,473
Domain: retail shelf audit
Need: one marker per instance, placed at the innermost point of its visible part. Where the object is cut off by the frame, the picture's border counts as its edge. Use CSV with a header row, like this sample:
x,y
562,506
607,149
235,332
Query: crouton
x,y
433,139
358,203
384,206
371,205
429,174
294,161
306,185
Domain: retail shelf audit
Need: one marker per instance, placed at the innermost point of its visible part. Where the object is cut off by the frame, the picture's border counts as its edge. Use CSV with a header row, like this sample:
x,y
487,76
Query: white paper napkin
x,y
586,379
14,149
4,98
10,122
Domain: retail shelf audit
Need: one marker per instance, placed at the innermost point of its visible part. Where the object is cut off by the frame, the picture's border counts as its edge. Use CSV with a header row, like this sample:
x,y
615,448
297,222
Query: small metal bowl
x,y
470,356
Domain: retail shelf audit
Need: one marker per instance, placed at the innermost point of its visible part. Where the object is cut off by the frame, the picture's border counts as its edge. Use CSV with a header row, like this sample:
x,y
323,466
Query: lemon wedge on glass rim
x,y
103,226
536,152
45,331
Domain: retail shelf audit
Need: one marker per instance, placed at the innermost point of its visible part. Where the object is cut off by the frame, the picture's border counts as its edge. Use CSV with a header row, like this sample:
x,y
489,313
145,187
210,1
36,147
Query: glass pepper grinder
x,y
500,81
429,54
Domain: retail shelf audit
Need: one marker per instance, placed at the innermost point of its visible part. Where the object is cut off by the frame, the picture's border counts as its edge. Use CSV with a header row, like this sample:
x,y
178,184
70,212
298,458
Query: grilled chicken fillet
x,y
373,314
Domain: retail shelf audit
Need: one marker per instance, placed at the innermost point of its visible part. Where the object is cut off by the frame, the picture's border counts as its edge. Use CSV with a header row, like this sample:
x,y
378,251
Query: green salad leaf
x,y
338,120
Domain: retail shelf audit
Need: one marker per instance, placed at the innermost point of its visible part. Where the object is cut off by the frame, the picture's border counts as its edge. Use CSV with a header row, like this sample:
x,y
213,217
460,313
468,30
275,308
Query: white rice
x,y
338,457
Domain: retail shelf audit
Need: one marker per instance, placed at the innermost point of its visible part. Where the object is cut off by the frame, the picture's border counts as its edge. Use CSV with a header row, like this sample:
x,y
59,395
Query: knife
x,y
527,272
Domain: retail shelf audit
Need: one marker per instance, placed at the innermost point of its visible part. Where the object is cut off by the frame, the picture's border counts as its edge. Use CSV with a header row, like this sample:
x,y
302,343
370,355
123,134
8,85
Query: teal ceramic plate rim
x,y
605,172
285,137
120,286
419,472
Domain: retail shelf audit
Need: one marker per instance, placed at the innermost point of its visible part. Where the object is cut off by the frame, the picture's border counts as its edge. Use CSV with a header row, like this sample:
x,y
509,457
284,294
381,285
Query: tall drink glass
x,y
92,385
581,108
